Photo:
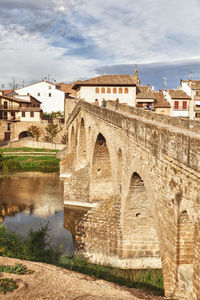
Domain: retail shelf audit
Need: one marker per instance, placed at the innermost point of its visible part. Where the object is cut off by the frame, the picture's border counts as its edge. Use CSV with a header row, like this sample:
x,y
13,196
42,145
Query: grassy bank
x,y
31,162
26,149
37,248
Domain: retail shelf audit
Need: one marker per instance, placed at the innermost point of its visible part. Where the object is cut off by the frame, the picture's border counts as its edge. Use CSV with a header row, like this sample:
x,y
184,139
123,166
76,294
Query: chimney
x,y
148,87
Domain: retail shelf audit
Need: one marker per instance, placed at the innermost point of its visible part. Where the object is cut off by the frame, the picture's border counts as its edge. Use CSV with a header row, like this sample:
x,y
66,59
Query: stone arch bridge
x,y
139,175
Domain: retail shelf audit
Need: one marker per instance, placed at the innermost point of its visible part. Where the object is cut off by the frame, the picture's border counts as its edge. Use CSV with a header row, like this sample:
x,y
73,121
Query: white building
x,y
51,98
108,87
192,89
179,101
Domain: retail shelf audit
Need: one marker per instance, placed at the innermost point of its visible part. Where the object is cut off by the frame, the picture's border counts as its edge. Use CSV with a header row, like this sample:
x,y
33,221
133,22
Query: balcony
x,y
9,108
34,109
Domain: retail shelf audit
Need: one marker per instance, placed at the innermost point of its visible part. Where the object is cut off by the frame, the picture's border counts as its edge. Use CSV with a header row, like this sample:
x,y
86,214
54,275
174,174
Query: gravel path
x,y
51,282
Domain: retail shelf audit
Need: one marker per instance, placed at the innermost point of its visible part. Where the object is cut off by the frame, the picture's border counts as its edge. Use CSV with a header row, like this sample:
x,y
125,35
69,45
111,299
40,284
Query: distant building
x,y
14,110
179,101
192,89
145,97
161,105
108,87
51,97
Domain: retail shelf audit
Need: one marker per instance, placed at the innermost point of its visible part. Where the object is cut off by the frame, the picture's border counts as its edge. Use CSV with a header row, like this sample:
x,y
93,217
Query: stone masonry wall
x,y
167,160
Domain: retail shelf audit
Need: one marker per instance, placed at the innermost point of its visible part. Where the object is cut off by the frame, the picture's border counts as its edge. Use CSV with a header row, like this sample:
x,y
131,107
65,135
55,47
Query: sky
x,y
67,40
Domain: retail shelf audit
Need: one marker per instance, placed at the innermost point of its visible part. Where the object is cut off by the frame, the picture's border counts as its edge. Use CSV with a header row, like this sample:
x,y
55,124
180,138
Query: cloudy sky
x,y
78,39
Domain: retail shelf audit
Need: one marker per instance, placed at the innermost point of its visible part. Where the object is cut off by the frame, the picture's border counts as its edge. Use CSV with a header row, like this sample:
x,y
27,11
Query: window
x,y
23,114
97,90
28,94
197,93
32,114
38,105
114,90
184,104
120,90
126,90
38,94
49,94
103,90
108,90
5,104
176,104
9,126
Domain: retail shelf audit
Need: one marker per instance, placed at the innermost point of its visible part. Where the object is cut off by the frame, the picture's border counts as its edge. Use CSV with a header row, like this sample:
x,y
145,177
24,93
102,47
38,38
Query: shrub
x,y
36,247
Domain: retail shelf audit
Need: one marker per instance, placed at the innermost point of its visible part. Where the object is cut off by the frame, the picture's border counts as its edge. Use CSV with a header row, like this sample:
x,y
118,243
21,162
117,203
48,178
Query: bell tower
x,y
135,76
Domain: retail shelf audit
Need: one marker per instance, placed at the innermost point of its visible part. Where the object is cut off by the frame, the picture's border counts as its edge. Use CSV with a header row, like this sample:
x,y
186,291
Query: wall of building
x,y
41,92
163,110
88,94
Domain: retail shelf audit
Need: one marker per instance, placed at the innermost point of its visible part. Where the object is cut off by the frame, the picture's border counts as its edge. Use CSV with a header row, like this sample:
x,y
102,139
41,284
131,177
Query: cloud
x,y
75,38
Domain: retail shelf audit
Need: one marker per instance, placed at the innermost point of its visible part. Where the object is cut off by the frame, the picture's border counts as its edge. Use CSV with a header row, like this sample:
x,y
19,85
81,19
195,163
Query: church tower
x,y
136,77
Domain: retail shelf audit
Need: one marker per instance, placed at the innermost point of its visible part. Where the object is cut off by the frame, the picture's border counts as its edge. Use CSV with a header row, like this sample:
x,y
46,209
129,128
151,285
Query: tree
x,y
35,131
52,130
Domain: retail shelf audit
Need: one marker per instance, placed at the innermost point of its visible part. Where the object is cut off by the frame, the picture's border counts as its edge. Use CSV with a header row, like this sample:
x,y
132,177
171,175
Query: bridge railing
x,y
164,119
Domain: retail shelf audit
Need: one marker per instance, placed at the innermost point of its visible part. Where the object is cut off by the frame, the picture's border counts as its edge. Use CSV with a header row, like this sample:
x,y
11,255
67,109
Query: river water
x,y
31,199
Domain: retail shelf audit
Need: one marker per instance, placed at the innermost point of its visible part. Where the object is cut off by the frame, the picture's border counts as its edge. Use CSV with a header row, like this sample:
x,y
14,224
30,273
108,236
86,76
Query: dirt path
x,y
51,282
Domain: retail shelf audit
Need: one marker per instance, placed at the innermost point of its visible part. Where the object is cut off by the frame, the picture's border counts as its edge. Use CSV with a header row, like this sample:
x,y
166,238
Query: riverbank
x,y
28,159
52,282
36,247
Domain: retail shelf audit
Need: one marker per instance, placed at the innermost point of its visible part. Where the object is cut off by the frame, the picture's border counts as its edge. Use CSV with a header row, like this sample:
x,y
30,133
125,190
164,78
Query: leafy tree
x,y
52,130
35,131
53,115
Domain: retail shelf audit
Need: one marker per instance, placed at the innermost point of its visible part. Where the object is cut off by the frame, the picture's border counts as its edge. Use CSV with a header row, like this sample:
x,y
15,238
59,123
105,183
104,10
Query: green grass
x,y
26,149
29,163
147,280
7,285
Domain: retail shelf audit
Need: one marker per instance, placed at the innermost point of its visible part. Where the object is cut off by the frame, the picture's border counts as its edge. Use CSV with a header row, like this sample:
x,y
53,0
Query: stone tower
x,y
136,77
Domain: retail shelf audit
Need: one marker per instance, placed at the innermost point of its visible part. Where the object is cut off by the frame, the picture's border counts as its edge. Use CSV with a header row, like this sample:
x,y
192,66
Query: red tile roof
x,y
160,100
106,80
6,92
178,94
144,92
67,88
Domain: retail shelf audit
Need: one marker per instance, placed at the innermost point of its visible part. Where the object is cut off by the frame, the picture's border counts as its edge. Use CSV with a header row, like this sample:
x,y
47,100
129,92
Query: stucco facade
x,y
52,99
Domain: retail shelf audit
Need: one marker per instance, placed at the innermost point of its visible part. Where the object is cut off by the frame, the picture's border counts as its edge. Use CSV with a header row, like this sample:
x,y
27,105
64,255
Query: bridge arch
x,y
72,139
140,239
101,173
82,145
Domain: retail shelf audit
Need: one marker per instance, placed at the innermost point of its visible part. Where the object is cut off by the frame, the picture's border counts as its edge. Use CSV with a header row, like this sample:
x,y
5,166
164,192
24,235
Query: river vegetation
x,y
37,247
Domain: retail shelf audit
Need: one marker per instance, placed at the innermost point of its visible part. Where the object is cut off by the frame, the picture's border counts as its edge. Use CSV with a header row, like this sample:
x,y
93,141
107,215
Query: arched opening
x,y
82,154
185,253
119,170
73,139
24,134
139,236
101,180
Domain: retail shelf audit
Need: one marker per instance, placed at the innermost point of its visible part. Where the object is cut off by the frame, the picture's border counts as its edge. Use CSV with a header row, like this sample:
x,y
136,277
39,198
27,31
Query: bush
x,y
36,247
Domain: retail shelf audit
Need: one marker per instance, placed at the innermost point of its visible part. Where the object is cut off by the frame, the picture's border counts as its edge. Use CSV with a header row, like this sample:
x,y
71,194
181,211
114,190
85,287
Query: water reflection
x,y
28,200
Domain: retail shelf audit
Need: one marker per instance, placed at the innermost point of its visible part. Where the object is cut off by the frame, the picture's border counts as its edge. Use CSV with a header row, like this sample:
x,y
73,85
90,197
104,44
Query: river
x,y
31,199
